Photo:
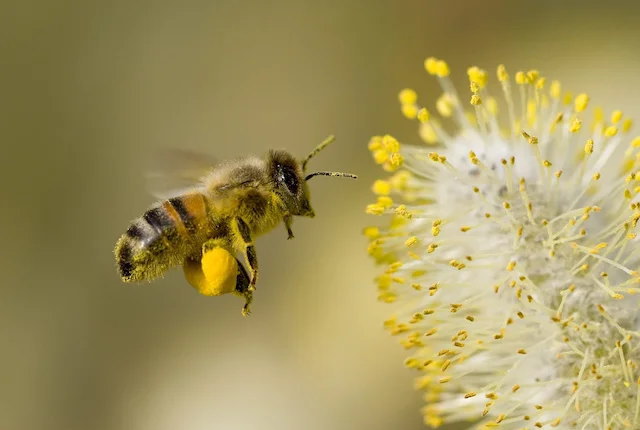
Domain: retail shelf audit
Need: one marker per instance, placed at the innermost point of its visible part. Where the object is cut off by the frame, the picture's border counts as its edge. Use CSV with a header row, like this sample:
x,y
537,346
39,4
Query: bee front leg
x,y
249,251
288,220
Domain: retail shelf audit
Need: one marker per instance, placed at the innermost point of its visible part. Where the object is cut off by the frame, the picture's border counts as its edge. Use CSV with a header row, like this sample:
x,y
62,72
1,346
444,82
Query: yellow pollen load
x,y
215,274
476,100
521,78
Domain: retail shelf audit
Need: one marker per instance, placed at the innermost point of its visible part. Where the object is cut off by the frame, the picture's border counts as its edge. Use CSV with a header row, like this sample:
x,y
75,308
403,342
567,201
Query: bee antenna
x,y
328,141
341,174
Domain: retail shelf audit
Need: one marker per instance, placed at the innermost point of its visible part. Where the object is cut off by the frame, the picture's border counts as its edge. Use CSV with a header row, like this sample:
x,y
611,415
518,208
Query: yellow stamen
x,y
581,102
477,76
575,126
407,96
502,73
381,187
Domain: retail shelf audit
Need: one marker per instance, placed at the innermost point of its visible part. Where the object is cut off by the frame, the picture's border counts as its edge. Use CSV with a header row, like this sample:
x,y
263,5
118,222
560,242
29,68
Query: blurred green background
x,y
90,89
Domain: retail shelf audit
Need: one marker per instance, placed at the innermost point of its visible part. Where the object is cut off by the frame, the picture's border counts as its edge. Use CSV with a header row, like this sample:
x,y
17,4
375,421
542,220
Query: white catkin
x,y
510,257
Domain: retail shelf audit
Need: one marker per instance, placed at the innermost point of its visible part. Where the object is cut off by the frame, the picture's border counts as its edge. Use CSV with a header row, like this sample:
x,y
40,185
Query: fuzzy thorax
x,y
511,254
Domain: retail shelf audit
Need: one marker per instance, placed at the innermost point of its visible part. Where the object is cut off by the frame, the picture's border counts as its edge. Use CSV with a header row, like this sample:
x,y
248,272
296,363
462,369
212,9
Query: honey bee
x,y
211,227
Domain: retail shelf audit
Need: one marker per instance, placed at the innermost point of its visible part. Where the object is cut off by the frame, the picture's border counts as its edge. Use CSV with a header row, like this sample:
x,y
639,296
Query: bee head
x,y
286,173
290,181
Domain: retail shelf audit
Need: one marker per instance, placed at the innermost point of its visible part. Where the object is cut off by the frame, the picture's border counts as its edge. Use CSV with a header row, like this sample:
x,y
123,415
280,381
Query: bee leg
x,y
242,289
249,251
214,243
288,220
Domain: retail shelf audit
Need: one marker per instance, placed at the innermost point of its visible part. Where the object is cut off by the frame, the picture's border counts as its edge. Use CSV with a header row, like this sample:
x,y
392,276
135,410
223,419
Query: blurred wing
x,y
173,172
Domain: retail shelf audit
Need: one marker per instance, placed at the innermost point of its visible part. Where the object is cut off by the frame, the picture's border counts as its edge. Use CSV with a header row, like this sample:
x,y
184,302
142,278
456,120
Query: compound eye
x,y
290,180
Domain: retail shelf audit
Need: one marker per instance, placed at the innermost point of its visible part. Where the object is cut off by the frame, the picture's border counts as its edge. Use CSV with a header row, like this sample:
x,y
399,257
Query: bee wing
x,y
173,172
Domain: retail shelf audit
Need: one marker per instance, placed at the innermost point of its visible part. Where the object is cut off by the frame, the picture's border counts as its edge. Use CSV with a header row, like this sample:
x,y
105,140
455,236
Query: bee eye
x,y
290,179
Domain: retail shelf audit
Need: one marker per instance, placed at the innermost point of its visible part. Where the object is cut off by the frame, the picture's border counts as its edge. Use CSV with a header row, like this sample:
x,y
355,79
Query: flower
x,y
511,253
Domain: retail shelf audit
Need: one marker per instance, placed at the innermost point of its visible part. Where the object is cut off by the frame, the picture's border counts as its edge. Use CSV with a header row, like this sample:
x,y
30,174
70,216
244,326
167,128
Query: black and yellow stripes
x,y
161,237
123,256
186,218
159,220
135,231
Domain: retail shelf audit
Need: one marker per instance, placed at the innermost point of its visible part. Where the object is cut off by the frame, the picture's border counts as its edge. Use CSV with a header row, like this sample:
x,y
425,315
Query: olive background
x,y
90,89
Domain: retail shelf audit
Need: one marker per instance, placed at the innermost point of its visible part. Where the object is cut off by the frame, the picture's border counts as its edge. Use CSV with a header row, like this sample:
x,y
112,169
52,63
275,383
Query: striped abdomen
x,y
162,237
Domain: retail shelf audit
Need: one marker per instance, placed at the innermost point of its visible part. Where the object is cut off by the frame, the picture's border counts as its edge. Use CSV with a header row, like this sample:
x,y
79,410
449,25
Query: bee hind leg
x,y
242,289
249,251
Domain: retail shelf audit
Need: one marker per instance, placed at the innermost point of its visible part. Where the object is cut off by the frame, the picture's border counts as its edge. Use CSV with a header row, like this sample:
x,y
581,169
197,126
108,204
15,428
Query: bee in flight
x,y
211,227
